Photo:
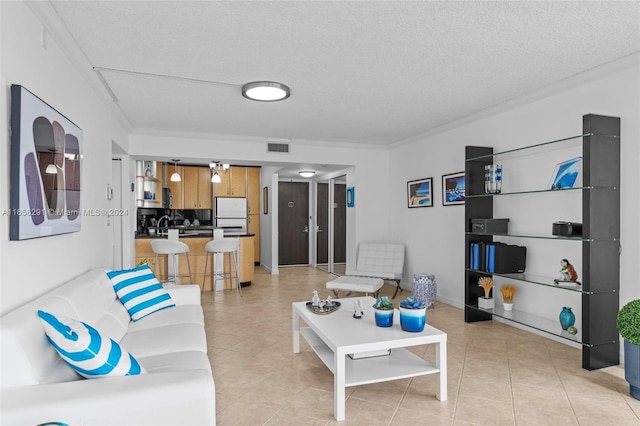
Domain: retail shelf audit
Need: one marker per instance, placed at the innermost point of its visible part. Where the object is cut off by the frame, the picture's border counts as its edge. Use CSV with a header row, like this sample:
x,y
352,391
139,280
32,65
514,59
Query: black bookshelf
x,y
600,240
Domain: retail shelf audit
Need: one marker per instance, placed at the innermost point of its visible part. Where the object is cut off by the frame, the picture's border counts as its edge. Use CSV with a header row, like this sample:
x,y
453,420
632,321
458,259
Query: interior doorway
x,y
293,223
331,225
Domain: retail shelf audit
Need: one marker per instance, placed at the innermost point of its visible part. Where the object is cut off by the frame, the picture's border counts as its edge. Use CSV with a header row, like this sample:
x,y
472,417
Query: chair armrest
x,y
378,274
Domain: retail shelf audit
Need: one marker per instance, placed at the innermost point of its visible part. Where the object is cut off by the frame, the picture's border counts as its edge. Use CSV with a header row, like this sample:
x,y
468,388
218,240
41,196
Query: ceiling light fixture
x,y
215,178
51,169
306,173
175,177
265,91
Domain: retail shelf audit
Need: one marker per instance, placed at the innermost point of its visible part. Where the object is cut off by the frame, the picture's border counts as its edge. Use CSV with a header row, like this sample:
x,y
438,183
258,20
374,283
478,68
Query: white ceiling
x,y
360,72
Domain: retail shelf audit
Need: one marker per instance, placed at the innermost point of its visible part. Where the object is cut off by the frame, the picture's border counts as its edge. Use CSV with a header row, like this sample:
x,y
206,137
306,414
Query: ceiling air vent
x,y
281,147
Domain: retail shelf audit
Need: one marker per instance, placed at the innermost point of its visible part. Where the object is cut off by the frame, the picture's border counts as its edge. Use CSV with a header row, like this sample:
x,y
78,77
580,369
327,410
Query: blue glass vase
x,y
567,318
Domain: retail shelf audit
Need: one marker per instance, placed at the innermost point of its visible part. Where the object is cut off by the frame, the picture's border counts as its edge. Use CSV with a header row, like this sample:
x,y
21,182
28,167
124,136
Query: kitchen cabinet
x,y
253,227
233,183
253,208
175,187
253,190
197,187
595,201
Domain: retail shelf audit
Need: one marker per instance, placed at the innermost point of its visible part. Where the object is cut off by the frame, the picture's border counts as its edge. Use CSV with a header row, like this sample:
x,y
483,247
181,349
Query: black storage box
x,y
505,258
490,226
567,229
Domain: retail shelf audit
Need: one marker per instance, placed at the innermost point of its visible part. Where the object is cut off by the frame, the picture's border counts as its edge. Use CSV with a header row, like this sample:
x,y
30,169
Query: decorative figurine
x,y
567,271
315,300
329,301
357,309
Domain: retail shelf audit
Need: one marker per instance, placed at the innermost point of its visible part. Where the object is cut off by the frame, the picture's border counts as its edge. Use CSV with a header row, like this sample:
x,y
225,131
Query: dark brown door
x,y
293,223
340,223
322,234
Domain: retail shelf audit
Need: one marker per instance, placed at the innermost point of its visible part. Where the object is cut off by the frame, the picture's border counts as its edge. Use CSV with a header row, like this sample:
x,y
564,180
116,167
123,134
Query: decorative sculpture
x,y
567,271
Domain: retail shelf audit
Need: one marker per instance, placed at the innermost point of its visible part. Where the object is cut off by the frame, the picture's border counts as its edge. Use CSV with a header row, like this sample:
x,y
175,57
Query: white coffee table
x,y
336,335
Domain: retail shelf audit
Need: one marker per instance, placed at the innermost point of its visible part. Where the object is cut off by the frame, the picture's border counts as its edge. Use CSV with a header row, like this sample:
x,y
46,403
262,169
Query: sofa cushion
x,y
86,350
185,314
167,339
139,291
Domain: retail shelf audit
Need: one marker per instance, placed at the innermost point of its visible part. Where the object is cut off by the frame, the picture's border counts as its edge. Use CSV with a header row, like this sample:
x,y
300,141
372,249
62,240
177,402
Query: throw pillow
x,y
86,350
139,291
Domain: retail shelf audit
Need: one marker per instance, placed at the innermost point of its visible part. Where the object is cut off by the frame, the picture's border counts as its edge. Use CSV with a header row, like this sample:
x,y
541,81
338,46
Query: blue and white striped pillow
x,y
139,291
86,350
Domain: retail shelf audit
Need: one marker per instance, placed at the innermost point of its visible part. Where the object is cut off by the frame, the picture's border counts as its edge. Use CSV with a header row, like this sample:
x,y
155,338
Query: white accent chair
x,y
376,261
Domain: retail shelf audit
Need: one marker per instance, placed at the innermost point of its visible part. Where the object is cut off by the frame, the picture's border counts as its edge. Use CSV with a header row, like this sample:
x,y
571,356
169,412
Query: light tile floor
x,y
498,375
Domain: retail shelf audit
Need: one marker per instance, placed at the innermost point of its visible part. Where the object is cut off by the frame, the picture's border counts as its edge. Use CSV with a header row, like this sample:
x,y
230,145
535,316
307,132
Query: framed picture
x,y
567,174
453,188
351,196
420,193
265,200
45,169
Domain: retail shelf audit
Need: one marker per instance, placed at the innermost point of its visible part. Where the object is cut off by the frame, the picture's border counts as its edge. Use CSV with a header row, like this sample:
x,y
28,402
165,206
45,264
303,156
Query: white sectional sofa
x,y
38,387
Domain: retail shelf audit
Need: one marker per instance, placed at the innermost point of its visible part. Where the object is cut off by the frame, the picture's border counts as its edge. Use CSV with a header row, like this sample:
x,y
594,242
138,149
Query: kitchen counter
x,y
196,243
197,232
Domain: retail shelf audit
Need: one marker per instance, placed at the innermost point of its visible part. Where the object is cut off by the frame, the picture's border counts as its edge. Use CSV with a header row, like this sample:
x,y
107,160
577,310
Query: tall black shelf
x,y
600,240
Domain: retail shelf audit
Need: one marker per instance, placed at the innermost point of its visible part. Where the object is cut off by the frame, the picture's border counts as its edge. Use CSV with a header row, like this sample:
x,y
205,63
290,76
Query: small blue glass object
x,y
567,318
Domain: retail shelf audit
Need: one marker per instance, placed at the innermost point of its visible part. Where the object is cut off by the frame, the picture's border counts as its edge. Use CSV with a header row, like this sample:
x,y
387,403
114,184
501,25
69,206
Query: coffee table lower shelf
x,y
399,364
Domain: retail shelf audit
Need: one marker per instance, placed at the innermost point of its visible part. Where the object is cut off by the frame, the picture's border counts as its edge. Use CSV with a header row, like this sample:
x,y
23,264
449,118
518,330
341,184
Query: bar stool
x,y
172,249
222,246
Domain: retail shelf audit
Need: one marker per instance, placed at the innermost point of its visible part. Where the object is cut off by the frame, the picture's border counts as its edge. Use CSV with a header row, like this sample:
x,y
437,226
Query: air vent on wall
x,y
280,147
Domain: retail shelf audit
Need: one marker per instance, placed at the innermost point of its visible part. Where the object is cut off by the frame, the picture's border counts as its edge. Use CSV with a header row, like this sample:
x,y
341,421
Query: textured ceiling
x,y
360,72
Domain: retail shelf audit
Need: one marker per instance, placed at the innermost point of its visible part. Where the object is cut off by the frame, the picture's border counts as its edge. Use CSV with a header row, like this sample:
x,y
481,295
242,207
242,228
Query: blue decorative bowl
x,y
413,320
384,318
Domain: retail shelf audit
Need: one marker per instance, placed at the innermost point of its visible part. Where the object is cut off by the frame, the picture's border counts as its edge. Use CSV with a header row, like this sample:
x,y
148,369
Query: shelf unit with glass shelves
x,y
599,208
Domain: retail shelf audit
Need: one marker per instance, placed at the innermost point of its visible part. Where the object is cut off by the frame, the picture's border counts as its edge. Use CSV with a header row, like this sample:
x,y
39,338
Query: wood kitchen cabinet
x,y
233,183
175,187
253,208
197,187
253,227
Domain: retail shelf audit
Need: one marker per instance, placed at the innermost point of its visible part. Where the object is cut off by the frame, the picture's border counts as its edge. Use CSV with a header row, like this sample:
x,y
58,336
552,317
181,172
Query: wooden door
x,y
293,223
204,188
322,233
340,223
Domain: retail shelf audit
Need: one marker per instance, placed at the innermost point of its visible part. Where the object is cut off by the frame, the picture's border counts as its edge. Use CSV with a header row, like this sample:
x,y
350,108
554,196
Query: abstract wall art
x,y
45,169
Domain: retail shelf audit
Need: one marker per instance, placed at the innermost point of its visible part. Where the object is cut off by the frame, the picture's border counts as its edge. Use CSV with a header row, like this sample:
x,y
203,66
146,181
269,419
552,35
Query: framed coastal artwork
x,y
420,193
453,189
46,157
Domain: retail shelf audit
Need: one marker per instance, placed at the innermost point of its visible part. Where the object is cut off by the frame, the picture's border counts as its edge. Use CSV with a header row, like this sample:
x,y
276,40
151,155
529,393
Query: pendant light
x,y
175,177
51,169
215,178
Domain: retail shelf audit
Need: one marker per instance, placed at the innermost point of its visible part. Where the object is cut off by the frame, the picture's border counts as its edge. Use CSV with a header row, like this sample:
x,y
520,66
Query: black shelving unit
x,y
600,241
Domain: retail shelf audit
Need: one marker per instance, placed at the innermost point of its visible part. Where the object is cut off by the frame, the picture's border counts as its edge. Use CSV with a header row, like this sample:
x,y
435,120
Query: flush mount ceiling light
x,y
306,173
175,177
265,91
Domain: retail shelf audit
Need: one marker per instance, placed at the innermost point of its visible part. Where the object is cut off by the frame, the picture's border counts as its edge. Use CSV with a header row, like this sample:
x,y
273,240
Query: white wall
x,y
435,236
32,267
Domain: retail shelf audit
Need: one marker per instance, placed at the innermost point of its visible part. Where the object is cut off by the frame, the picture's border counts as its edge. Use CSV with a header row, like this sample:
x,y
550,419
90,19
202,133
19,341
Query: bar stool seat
x,y
223,246
173,249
